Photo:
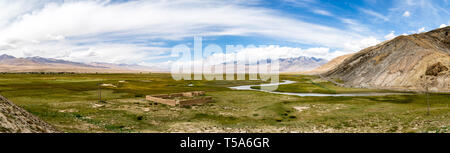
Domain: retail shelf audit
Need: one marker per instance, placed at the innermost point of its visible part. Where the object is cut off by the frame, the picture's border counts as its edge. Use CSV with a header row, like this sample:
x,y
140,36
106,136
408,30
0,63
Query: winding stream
x,y
248,87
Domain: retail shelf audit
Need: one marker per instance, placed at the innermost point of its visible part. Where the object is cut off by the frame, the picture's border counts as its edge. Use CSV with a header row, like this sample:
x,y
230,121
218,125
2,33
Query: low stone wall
x,y
162,100
165,98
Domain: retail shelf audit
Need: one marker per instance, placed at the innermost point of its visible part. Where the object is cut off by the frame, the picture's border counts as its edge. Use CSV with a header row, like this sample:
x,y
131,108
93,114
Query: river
x,y
248,87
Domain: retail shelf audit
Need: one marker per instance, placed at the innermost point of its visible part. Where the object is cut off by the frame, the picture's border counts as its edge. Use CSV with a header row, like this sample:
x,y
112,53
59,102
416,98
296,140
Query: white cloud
x,y
115,53
442,26
266,52
164,66
258,53
390,35
100,52
278,52
421,30
105,30
406,14
283,52
361,44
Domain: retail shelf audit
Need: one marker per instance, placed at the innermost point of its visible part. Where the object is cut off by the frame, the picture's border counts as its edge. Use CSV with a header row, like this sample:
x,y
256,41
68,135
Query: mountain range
x,y
301,63
39,64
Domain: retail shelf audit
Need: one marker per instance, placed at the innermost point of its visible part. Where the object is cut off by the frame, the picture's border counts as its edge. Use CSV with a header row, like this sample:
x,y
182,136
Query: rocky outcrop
x,y
14,119
400,63
436,69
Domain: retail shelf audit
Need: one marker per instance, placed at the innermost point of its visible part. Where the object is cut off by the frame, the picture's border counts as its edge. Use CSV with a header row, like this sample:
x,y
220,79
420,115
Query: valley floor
x,y
70,103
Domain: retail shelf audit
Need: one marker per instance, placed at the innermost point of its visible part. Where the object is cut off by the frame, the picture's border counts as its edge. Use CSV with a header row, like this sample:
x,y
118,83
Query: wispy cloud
x,y
322,12
311,5
427,13
375,14
300,3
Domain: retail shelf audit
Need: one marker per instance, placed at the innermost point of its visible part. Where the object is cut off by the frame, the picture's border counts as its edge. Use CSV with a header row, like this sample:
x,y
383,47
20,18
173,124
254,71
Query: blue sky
x,y
143,32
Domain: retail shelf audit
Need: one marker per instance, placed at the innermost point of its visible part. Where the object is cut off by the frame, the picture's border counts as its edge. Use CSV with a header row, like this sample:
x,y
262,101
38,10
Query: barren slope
x,y
400,63
14,119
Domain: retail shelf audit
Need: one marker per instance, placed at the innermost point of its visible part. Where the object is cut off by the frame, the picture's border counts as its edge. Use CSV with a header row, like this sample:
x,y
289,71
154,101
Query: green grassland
x,y
70,103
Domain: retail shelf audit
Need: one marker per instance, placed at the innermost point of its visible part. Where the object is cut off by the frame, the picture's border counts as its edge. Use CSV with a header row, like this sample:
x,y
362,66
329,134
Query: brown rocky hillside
x,y
401,63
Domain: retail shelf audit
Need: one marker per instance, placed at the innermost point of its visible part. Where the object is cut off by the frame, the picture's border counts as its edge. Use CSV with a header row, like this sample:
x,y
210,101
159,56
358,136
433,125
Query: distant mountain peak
x,y
5,56
301,63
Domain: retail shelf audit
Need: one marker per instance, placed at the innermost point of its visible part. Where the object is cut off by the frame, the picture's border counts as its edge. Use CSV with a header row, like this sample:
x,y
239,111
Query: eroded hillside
x,y
401,63
14,119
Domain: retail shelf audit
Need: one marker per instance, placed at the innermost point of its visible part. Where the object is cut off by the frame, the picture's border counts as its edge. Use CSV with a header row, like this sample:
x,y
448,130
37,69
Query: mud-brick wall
x,y
193,93
161,96
161,100
176,95
195,101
